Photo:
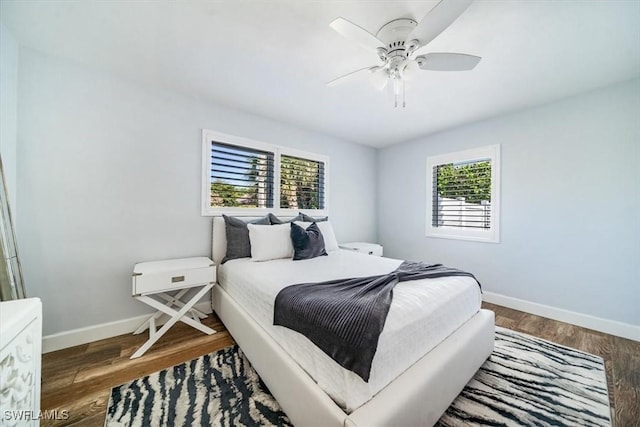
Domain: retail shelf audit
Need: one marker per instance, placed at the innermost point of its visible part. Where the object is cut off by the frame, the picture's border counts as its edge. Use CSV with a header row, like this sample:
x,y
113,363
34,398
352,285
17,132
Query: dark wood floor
x,y
79,379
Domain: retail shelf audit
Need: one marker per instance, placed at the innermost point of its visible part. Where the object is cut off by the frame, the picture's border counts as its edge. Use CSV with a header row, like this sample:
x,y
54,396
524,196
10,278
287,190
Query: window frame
x,y
492,235
206,210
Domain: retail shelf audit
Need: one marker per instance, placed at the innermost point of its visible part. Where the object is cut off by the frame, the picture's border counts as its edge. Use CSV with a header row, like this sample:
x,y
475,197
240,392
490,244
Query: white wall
x,y
109,175
570,234
9,110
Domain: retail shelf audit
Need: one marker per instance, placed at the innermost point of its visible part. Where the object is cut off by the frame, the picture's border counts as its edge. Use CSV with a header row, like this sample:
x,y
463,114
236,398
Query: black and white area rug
x,y
218,389
526,382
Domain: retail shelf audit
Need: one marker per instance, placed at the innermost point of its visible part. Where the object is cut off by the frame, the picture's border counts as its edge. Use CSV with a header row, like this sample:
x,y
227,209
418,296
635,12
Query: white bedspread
x,y
422,314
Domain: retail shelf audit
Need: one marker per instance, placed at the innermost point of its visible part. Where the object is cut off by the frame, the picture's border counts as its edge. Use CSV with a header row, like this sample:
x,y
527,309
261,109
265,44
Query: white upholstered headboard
x,y
218,240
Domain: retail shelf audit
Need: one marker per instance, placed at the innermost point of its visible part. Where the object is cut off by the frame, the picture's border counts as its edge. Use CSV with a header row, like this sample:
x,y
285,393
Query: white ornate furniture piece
x,y
156,278
363,247
20,362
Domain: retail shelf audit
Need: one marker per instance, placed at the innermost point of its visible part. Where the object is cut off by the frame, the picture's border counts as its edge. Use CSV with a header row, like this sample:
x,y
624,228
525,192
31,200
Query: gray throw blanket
x,y
345,317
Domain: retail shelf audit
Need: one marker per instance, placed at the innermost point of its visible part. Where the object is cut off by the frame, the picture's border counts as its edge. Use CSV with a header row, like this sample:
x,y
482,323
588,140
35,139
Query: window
x,y
301,183
241,176
463,195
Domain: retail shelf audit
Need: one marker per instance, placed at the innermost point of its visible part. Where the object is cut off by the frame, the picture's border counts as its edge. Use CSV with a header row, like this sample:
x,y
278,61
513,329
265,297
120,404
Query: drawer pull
x,y
177,279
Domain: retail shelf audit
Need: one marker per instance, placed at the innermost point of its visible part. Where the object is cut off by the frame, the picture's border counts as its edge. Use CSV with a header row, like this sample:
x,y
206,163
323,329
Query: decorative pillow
x,y
307,243
271,242
275,220
330,242
307,218
238,243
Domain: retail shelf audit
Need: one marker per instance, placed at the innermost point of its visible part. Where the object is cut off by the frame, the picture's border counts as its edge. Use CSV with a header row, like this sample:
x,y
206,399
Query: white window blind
x,y
463,200
241,176
246,177
462,195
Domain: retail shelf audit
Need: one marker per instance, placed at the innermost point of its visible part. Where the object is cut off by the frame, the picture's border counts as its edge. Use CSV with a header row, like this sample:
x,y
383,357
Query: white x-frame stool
x,y
159,277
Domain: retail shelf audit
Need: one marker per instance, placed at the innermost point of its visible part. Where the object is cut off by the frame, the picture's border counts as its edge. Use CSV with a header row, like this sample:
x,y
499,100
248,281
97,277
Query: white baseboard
x,y
612,327
104,330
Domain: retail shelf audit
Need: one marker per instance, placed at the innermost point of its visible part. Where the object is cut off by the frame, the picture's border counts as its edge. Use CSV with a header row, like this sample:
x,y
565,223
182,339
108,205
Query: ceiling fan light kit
x,y
397,42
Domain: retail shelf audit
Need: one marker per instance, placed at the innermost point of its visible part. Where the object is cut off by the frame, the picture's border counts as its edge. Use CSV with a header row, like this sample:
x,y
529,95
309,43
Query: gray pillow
x,y
307,243
275,220
307,218
238,244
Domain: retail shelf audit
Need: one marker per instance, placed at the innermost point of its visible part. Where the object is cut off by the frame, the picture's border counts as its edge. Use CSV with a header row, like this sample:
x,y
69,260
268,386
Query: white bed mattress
x,y
422,314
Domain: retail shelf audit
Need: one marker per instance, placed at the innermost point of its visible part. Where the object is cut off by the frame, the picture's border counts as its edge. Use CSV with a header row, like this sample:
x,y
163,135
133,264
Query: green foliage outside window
x,y
301,186
226,195
254,193
300,183
471,181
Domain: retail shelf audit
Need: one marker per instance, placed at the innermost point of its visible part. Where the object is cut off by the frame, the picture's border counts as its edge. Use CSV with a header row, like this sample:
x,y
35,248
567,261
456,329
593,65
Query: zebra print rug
x,y
218,389
525,382
528,381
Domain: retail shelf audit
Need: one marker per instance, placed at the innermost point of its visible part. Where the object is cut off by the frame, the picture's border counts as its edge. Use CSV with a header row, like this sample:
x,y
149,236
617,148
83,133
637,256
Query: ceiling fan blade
x,y
355,33
445,61
354,75
438,19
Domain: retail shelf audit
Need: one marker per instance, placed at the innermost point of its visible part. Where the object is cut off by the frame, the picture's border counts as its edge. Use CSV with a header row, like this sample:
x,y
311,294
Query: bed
x,y
426,353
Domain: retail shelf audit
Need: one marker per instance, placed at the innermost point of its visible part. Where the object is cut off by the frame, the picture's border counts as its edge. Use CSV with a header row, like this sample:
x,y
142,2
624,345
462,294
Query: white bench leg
x,y
175,300
172,300
175,316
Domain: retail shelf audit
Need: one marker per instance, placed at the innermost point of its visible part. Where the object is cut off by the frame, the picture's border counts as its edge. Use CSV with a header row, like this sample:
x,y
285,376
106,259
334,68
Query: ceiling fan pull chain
x,y
404,104
395,91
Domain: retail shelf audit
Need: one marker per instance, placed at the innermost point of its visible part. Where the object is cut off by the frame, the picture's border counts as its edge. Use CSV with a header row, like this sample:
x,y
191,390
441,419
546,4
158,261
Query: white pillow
x,y
270,241
330,242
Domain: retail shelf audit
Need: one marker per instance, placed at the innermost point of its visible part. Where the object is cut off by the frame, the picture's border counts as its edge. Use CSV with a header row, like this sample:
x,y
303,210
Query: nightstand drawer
x,y
363,248
160,276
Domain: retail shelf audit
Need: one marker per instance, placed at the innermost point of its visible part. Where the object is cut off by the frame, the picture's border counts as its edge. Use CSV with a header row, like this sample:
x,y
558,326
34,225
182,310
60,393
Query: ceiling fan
x,y
397,43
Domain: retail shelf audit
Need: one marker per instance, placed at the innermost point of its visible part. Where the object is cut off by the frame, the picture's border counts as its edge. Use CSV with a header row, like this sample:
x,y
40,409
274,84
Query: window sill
x,y
491,236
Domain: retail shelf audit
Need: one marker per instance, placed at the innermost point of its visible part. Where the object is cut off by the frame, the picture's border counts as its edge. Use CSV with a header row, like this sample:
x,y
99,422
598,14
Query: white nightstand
x,y
363,247
180,275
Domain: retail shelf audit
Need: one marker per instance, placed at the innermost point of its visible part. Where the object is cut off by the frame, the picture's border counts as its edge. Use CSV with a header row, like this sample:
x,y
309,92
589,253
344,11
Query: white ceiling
x,y
274,58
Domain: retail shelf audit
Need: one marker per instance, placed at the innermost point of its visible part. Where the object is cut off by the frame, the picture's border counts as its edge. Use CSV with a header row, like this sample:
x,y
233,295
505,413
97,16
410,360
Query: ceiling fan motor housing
x,y
397,49
394,35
